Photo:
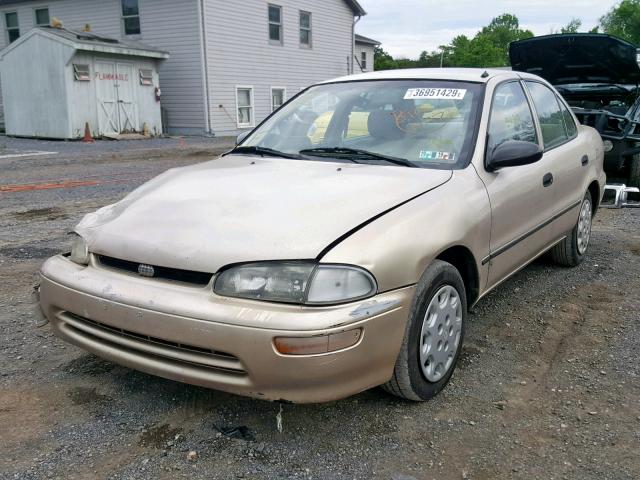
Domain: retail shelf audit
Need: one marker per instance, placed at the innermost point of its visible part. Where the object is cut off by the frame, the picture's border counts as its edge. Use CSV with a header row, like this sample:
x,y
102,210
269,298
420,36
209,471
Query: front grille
x,y
153,346
165,273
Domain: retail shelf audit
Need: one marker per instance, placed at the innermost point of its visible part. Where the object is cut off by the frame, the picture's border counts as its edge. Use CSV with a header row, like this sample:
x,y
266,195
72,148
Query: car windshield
x,y
423,123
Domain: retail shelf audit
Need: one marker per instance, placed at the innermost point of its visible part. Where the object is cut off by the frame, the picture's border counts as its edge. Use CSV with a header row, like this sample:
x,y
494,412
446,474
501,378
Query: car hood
x,y
577,58
244,208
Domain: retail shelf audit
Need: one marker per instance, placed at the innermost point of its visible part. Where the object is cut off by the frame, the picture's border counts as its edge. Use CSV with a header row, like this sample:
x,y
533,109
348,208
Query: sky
x,y
407,27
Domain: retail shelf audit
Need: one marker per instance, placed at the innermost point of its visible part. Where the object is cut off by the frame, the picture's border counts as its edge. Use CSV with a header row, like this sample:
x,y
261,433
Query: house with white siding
x,y
231,63
364,54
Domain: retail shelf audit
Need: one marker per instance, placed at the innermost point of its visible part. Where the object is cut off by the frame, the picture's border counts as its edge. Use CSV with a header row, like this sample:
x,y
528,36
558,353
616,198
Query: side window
x,y
42,17
552,123
130,17
244,106
13,29
569,122
275,24
305,29
277,97
511,117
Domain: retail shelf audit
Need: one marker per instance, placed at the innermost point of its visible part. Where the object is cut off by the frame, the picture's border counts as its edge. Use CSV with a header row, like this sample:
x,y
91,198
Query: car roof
x,y
479,75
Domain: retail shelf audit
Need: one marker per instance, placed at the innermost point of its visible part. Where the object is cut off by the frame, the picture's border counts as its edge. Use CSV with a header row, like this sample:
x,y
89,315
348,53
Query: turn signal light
x,y
318,344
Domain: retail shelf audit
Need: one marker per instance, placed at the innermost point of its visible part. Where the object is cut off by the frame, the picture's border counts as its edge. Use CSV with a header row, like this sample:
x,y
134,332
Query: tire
x,y
571,251
410,379
634,172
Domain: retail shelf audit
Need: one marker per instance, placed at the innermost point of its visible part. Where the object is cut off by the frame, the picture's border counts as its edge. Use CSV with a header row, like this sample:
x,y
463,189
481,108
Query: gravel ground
x,y
548,386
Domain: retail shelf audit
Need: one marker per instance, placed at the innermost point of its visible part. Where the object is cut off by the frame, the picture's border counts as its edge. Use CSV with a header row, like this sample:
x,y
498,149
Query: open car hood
x,y
577,58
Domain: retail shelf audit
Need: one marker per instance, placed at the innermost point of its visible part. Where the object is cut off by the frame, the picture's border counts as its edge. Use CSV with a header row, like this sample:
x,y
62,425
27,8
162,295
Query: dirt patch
x,y
26,415
158,436
635,249
86,396
27,252
50,213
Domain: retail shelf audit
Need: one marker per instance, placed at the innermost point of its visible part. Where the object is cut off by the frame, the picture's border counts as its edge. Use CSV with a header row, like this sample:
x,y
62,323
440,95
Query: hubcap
x,y
441,332
584,227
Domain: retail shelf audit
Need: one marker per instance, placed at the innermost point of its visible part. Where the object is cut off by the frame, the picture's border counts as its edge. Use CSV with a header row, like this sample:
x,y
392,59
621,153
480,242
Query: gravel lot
x,y
548,386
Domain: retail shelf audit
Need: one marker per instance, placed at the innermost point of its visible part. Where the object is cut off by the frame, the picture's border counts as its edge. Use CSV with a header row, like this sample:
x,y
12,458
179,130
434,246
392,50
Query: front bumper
x,y
189,334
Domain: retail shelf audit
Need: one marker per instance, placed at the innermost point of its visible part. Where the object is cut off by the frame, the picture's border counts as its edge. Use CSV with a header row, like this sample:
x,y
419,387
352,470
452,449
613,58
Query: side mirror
x,y
513,153
242,136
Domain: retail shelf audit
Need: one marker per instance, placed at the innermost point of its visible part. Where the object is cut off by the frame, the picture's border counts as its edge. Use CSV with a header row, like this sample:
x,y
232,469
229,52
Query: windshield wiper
x,y
356,154
265,151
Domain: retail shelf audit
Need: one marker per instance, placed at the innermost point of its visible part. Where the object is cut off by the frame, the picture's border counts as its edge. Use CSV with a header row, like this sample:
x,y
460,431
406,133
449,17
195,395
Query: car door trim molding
x,y
526,235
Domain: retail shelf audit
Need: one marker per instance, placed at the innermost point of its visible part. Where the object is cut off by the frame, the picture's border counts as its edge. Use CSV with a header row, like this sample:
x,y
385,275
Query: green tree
x,y
382,60
488,48
623,21
572,27
502,30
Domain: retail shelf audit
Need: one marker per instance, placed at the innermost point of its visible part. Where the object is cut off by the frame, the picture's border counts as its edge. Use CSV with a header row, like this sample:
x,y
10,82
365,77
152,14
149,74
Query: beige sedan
x,y
340,244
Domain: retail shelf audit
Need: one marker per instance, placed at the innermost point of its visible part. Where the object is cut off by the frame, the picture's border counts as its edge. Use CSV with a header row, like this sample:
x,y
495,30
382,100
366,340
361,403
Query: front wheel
x,y
433,337
571,251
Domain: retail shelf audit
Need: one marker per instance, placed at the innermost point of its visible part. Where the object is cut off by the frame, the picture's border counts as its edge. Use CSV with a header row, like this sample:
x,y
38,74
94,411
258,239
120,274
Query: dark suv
x,y
598,76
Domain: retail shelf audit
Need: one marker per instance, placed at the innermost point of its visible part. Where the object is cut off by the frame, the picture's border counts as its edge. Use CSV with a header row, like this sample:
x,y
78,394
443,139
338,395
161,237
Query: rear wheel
x,y
634,172
571,251
433,337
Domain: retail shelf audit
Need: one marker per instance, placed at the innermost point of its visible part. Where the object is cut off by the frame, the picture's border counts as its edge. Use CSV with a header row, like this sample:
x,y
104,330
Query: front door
x,y
521,200
117,111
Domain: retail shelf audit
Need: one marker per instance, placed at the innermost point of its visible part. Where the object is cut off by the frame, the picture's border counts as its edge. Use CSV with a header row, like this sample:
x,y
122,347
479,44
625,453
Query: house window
x,y
81,72
146,76
13,29
275,24
278,95
244,104
130,17
42,17
305,29
363,60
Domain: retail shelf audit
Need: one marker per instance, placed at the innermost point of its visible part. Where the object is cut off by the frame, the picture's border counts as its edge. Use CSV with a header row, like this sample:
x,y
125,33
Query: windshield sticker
x,y
439,156
436,93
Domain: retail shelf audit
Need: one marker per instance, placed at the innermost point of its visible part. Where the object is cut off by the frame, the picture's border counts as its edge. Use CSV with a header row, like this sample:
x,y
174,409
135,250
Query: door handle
x,y
584,160
547,180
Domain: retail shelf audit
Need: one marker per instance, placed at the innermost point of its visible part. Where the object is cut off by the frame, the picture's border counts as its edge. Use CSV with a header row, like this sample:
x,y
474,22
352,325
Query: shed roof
x,y
90,42
366,40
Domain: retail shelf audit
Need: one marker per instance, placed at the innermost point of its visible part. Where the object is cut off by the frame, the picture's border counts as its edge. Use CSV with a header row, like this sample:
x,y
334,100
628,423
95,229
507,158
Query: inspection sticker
x,y
442,156
435,93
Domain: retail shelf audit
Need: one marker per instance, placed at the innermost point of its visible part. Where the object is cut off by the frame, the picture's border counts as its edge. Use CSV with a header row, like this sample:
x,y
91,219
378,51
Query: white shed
x,y
55,81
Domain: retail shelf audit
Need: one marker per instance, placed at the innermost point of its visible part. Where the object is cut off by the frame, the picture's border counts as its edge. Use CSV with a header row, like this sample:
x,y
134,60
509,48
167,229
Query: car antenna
x,y
485,74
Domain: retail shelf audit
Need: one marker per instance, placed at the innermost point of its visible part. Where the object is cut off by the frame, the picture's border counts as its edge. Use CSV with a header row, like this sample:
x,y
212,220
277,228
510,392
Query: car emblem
x,y
146,270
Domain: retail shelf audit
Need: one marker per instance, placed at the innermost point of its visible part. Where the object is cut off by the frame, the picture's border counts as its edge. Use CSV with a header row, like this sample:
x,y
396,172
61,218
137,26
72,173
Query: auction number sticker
x,y
435,93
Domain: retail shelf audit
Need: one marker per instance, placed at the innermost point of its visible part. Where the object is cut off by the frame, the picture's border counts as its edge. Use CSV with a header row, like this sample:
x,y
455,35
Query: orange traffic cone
x,y
87,134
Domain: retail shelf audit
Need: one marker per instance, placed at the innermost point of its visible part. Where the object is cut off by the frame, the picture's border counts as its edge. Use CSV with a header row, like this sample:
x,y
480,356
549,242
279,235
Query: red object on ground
x,y
87,134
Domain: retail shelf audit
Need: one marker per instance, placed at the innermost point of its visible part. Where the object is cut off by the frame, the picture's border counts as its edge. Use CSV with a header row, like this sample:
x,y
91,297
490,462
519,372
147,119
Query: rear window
x,y
569,122
550,116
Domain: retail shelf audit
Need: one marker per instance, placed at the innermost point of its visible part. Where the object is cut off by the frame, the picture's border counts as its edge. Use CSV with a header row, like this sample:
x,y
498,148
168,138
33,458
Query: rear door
x,y
521,197
567,155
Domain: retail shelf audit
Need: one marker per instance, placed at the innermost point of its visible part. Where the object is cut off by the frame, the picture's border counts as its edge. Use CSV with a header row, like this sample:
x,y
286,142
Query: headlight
x,y
608,145
296,282
79,250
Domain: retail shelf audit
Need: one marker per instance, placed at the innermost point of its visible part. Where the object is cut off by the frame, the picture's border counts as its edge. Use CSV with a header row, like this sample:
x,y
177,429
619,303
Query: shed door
x,y
107,97
126,106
